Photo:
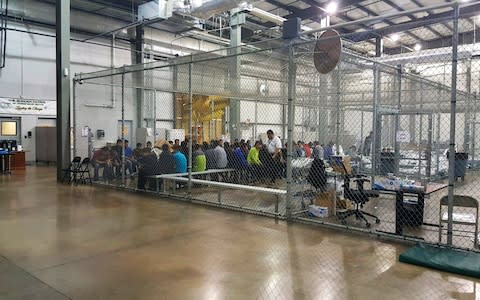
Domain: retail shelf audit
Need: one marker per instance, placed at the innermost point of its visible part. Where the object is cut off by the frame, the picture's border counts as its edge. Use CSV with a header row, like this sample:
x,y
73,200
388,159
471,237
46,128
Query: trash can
x,y
412,212
387,162
460,165
461,159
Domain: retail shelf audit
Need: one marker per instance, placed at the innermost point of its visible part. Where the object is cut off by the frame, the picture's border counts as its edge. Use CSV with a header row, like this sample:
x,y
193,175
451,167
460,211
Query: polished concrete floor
x,y
82,242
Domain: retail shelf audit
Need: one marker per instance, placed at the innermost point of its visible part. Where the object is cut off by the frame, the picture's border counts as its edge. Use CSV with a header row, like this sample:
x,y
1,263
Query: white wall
x,y
30,72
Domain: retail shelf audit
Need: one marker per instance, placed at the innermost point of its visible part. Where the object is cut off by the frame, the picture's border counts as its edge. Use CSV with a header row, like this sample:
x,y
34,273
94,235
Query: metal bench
x,y
223,186
181,175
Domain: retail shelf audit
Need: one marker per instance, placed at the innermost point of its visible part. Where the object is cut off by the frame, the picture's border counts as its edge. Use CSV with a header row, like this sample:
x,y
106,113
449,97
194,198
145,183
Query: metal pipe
x,y
376,92
154,117
74,118
337,124
123,131
451,165
420,134
190,124
397,121
292,69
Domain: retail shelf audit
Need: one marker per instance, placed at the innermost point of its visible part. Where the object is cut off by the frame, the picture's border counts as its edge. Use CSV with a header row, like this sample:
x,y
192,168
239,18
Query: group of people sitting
x,y
258,162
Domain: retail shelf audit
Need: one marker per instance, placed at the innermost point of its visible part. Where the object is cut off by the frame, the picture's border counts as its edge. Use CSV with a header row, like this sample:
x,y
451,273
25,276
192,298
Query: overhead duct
x,y
202,9
206,9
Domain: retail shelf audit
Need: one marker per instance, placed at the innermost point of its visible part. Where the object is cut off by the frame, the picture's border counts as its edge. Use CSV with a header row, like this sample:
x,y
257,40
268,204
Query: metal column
x,y
453,107
63,85
397,120
190,128
375,138
138,77
236,20
292,75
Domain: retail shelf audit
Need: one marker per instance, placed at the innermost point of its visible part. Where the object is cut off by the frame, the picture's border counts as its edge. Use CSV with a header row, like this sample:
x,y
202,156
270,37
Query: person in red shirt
x,y
307,149
103,158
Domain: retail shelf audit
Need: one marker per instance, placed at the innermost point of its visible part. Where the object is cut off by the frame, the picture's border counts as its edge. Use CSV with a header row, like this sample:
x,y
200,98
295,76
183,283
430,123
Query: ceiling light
x,y
395,37
417,47
331,8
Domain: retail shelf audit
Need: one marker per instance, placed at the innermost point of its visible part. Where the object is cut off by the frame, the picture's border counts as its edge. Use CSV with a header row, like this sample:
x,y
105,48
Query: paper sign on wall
x,y
28,106
403,136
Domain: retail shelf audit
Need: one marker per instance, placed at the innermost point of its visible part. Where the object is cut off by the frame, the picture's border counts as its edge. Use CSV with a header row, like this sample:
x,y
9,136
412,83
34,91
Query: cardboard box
x,y
338,168
325,199
344,204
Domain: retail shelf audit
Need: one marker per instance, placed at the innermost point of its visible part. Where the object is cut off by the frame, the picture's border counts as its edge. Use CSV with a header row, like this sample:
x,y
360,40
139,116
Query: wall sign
x,y
403,136
17,106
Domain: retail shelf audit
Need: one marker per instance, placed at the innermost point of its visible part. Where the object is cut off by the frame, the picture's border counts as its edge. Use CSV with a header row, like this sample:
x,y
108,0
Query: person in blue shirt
x,y
328,151
130,162
180,159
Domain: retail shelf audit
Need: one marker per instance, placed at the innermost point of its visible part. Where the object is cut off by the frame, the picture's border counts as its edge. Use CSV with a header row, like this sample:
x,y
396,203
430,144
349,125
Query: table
x,y
400,209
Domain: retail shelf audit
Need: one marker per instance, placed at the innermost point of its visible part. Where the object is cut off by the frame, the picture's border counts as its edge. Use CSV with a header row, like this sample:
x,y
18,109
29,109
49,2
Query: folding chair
x,y
70,174
460,217
84,171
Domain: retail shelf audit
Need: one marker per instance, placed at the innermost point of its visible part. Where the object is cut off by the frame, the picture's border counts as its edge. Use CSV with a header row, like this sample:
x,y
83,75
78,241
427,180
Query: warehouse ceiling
x,y
400,34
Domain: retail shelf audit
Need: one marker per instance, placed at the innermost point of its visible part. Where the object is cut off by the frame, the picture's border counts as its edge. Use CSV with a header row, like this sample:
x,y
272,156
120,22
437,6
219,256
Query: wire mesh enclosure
x,y
367,147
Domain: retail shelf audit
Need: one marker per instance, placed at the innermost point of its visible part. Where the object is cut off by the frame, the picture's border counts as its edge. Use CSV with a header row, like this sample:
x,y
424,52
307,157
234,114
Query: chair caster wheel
x,y
368,225
377,221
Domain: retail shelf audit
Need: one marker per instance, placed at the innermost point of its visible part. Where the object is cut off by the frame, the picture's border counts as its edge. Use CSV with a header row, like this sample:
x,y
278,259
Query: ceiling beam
x,y
388,22
411,16
465,12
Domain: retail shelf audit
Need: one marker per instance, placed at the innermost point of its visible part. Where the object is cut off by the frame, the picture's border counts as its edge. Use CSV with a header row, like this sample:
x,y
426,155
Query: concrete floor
x,y
82,242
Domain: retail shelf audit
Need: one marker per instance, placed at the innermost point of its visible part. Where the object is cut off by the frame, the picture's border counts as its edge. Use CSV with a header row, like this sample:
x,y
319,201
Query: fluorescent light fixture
x,y
395,37
417,47
331,8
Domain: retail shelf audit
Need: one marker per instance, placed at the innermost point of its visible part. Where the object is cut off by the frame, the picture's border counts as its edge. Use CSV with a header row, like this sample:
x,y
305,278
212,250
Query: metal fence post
x,y
74,119
123,127
376,92
292,74
190,124
453,104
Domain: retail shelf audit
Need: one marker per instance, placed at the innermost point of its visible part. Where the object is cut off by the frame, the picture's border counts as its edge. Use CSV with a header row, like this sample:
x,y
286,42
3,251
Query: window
x,y
9,128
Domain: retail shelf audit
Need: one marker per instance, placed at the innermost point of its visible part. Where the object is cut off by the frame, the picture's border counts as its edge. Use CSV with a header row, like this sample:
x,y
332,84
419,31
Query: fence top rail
x,y
211,171
229,185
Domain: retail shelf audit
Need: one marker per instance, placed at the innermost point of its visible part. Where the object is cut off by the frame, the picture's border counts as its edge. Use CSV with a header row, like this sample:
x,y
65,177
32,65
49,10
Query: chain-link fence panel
x,y
366,146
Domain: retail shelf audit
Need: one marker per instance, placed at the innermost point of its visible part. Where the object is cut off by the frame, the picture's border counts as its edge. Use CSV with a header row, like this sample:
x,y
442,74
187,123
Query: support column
x,y
63,84
378,47
236,20
138,77
453,112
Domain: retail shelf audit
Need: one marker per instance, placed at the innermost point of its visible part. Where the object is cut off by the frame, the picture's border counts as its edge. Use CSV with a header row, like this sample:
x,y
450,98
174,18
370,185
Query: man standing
x,y
274,147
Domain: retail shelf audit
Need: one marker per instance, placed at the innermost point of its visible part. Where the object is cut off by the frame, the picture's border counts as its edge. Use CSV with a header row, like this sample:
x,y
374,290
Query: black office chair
x,y
360,196
317,176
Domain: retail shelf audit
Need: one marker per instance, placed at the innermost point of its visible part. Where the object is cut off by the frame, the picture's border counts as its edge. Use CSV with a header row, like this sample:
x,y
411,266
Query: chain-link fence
x,y
257,128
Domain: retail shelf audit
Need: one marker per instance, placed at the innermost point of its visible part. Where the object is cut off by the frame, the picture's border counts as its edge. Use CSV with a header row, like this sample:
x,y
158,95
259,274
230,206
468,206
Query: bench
x,y
223,186
181,175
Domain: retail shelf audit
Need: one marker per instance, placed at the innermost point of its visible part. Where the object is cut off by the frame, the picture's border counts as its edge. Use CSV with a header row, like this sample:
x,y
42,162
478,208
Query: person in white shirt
x,y
274,148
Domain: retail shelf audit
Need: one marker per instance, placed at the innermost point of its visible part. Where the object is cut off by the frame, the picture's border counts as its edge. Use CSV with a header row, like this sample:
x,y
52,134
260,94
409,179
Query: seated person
x,y
102,158
166,161
211,157
146,167
137,152
180,159
199,160
239,153
131,160
253,160
118,159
